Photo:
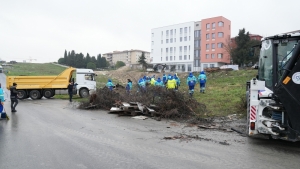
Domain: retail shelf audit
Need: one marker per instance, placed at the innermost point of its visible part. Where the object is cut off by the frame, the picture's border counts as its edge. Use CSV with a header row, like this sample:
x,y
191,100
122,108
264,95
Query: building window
x,y
180,57
152,43
207,46
167,51
213,35
174,50
207,36
185,29
205,66
197,33
180,30
189,29
213,46
167,40
160,58
180,39
171,32
213,25
220,55
180,49
174,57
220,45
197,53
152,34
197,43
189,67
162,33
185,49
207,26
166,58
162,41
184,57
171,40
189,38
185,38
167,32
174,40
212,55
196,63
175,31
189,48
220,34
171,50
170,58
207,56
197,24
212,65
220,24
189,57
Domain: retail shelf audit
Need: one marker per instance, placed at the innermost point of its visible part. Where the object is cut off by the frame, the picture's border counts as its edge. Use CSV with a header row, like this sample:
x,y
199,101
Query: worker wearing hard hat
x,y
152,81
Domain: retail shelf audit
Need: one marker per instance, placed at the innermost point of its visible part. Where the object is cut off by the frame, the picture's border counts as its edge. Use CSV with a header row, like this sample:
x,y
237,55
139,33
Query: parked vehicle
x,y
36,87
273,99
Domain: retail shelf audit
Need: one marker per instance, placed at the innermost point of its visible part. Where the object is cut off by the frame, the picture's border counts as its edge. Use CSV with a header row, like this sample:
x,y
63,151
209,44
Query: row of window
x,y
173,49
213,25
219,55
220,45
173,58
213,35
173,31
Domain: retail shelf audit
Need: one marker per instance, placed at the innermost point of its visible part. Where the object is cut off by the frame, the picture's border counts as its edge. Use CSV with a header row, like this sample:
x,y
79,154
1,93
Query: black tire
x,y
48,93
41,96
83,93
22,94
34,94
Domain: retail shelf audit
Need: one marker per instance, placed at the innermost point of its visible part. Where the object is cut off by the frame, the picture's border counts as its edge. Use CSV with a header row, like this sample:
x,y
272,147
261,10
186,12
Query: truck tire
x,y
83,93
34,94
48,93
22,94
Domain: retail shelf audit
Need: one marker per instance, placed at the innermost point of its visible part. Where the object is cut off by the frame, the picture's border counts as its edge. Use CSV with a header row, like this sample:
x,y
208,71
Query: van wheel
x,y
34,94
84,93
22,94
48,93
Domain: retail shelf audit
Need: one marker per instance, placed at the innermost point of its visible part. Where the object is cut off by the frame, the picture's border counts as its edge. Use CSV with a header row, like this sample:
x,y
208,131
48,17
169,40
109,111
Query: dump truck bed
x,y
60,81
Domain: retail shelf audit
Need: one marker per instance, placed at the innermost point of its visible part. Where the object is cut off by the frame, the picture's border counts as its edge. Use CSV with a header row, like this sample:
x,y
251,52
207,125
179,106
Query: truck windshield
x,y
285,51
265,63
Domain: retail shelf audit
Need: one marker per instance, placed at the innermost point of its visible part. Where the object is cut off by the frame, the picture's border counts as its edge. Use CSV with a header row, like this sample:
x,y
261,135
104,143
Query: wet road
x,y
54,134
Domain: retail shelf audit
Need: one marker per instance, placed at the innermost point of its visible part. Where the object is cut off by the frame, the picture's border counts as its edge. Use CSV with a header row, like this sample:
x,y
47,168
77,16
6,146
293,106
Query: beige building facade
x,y
129,57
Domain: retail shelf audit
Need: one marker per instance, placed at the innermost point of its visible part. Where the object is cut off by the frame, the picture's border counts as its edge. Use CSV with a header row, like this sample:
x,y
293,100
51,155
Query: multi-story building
x,y
191,46
129,57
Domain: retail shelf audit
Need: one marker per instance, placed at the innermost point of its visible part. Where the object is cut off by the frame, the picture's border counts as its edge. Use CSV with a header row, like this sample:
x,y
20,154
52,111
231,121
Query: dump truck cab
x,y
86,83
273,101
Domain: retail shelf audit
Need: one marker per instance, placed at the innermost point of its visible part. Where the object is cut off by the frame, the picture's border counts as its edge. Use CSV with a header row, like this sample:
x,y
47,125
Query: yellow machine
x,y
36,87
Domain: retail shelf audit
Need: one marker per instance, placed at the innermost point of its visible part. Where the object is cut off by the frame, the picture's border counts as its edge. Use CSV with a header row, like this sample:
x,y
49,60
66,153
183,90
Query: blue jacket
x,y
202,77
159,82
190,78
191,83
177,80
129,86
164,78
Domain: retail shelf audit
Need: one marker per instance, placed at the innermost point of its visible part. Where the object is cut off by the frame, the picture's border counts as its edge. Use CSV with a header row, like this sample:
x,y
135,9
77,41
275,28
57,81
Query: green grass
x,y
224,90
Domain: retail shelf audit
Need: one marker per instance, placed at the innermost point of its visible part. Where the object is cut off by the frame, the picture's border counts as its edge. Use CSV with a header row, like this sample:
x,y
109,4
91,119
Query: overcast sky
x,y
44,29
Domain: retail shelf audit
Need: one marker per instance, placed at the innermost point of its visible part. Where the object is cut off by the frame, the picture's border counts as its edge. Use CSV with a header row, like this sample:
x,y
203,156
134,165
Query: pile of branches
x,y
167,103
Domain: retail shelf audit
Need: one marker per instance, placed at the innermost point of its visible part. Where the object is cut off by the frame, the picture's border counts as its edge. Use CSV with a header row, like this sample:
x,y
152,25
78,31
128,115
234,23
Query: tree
x,y
61,61
98,61
120,64
240,54
91,65
142,60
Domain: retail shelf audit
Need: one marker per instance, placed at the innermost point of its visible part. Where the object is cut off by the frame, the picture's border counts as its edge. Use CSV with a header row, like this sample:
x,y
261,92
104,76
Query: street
x,y
53,133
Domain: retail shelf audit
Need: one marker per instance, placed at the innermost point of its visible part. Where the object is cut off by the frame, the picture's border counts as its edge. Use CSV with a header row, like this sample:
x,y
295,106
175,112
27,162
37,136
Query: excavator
x,y
154,68
273,99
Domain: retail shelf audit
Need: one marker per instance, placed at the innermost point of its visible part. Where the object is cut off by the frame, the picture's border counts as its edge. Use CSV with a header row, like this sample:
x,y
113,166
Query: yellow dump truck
x,y
36,87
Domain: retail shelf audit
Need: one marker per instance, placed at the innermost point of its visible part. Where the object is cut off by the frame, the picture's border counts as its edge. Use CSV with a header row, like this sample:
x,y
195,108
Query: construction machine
x,y
273,99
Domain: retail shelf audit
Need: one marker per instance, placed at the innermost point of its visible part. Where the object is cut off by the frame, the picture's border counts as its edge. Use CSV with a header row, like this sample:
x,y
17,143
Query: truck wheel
x,y
34,94
84,93
48,93
22,94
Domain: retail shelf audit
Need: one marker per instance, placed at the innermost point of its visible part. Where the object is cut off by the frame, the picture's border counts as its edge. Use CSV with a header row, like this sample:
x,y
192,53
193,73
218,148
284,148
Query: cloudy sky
x,y
44,29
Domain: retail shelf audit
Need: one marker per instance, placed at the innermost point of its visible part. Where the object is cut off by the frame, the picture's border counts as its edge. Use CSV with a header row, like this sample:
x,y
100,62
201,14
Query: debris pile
x,y
155,101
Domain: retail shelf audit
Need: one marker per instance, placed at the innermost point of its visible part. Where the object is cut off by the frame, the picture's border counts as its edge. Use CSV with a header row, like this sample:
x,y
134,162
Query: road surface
x,y
52,133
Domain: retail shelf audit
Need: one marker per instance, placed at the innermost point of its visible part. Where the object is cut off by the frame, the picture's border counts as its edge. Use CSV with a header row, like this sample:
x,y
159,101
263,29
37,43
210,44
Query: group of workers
x,y
170,82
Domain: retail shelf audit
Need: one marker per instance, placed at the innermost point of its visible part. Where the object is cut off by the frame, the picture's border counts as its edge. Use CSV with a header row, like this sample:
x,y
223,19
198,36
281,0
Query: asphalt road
x,y
52,133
